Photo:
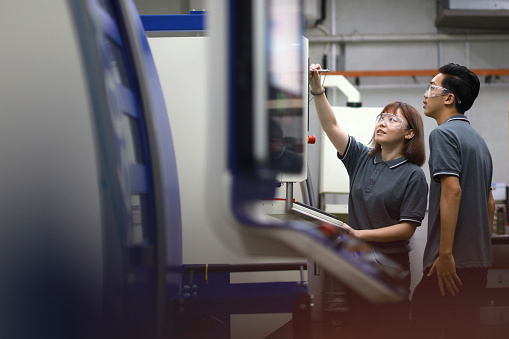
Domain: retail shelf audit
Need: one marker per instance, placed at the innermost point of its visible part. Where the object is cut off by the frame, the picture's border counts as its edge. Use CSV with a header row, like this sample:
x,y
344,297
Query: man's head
x,y
461,82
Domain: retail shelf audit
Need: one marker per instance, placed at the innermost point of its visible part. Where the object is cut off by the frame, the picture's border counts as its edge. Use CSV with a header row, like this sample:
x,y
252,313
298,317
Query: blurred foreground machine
x,y
91,238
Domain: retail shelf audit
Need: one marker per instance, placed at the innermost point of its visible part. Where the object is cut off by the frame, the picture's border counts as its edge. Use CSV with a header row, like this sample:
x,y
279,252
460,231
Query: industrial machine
x,y
249,97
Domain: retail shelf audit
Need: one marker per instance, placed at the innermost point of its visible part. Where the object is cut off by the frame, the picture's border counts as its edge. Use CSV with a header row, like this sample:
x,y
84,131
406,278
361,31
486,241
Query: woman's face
x,y
390,127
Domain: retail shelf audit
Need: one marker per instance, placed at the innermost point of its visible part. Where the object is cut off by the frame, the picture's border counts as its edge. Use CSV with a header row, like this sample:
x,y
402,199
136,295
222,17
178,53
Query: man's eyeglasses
x,y
445,91
389,120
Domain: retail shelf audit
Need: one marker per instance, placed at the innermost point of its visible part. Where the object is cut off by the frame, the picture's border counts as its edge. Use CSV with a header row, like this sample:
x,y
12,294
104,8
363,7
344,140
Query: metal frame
x,y
207,299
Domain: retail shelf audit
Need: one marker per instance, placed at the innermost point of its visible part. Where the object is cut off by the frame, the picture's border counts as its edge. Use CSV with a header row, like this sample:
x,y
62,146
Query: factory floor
x,y
330,330
318,329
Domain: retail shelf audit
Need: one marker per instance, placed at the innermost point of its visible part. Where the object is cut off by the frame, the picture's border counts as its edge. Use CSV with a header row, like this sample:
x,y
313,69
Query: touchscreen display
x,y
285,85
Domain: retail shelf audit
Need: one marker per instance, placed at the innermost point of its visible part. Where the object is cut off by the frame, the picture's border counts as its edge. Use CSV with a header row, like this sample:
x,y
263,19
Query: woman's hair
x,y
414,147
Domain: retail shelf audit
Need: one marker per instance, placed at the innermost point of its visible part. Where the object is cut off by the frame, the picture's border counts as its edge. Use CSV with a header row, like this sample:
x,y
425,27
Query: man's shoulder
x,y
453,127
442,132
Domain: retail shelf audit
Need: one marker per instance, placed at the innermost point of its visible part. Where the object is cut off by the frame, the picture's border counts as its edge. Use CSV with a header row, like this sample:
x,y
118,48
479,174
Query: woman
x,y
388,195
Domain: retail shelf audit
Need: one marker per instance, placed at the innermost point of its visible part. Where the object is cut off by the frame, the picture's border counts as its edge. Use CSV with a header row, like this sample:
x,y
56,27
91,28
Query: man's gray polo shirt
x,y
457,149
383,193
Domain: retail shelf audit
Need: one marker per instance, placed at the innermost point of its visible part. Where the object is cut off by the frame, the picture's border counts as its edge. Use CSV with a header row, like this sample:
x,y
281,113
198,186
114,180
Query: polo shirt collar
x,y
460,116
391,163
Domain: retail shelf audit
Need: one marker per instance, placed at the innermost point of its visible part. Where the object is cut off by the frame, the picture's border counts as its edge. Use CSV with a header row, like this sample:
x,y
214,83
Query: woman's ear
x,y
409,134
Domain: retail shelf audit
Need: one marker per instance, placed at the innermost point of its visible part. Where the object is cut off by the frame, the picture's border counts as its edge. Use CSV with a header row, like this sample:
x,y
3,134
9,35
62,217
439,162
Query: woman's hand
x,y
353,232
315,78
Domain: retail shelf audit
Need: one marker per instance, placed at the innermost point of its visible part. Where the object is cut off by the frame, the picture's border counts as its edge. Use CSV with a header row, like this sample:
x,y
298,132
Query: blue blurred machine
x,y
91,240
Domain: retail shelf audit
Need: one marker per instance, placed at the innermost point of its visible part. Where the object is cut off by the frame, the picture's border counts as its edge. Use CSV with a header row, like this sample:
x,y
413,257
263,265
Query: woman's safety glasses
x,y
389,120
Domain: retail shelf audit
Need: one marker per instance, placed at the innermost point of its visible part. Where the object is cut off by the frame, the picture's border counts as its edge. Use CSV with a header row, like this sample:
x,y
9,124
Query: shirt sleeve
x,y
354,151
415,200
444,154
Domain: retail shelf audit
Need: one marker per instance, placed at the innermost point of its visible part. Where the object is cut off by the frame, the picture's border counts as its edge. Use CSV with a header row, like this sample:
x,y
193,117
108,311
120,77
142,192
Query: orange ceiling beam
x,y
413,72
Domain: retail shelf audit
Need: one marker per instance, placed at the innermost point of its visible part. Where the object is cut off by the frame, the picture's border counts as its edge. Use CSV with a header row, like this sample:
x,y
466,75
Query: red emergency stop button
x,y
311,139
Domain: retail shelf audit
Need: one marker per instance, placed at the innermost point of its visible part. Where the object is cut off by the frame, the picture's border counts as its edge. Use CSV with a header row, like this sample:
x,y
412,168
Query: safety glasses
x,y
432,91
389,119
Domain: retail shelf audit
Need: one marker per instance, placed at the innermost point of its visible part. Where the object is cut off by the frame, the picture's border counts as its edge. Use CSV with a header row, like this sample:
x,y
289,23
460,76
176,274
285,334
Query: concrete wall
x,y
489,114
385,18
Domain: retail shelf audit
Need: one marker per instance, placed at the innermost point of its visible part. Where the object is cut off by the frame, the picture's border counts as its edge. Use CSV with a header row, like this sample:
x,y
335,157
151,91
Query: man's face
x,y
433,103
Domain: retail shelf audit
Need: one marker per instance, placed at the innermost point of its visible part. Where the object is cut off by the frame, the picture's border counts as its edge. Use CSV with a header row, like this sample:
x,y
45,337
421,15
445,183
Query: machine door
x,y
128,202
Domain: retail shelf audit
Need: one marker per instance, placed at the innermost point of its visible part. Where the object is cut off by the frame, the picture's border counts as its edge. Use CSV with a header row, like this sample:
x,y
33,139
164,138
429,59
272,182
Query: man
x,y
458,251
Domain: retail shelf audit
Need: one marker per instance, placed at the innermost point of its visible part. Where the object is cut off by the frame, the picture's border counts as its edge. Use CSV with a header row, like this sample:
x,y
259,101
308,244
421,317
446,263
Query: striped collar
x,y
460,116
391,163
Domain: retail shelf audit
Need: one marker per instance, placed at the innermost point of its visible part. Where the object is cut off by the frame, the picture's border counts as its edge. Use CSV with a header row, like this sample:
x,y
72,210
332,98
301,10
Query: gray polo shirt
x,y
383,193
457,149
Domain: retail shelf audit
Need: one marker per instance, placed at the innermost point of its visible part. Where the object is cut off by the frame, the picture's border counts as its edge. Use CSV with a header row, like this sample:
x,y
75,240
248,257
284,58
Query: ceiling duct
x,y
480,14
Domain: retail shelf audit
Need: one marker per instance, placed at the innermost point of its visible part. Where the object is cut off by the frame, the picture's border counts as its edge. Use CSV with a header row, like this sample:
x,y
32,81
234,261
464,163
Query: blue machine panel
x,y
195,21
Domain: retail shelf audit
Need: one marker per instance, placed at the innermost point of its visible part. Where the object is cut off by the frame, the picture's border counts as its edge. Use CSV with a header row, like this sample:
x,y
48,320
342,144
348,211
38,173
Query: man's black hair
x,y
463,83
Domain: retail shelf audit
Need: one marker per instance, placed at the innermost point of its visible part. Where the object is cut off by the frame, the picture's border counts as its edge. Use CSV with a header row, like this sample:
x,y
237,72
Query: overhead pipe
x,y
323,14
357,38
